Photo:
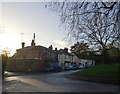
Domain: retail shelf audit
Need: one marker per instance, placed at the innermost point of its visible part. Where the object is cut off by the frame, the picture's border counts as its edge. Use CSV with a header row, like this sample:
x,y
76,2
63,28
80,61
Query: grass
x,y
110,71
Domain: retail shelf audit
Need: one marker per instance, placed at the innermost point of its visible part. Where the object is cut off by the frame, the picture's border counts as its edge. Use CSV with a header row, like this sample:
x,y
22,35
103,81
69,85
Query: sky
x,y
21,19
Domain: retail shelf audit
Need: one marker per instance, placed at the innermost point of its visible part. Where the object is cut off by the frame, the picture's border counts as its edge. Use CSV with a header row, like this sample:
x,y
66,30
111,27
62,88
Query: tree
x,y
114,54
4,53
81,50
99,32
97,23
70,12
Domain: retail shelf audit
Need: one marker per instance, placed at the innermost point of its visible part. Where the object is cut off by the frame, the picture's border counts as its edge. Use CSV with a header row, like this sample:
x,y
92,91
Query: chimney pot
x,y
23,44
55,49
33,43
66,49
50,47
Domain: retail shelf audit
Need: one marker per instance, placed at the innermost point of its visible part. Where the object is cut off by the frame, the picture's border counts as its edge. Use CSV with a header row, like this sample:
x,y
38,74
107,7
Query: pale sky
x,y
29,18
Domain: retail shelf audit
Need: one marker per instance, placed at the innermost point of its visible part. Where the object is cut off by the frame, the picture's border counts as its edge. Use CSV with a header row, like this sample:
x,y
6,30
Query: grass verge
x,y
105,72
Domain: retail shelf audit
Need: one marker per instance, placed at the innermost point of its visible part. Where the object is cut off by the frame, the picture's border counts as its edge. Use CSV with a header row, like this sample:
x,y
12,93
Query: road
x,y
52,82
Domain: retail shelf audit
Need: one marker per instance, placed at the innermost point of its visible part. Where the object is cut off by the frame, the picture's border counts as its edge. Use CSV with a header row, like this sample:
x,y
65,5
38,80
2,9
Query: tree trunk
x,y
105,56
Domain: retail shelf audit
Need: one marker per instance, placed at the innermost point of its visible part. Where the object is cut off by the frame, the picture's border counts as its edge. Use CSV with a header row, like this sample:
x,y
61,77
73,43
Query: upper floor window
x,y
65,56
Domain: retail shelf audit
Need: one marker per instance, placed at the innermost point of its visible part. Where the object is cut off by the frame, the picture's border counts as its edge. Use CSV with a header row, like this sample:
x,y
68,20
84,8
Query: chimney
x,y
55,49
66,49
23,44
50,47
34,36
33,43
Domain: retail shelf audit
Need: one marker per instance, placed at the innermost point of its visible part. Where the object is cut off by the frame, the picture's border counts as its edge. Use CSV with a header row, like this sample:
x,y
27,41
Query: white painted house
x,y
76,60
85,62
65,58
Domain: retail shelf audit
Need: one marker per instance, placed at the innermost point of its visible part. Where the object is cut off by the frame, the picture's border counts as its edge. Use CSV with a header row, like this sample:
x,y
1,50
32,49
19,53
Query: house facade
x,y
33,58
65,58
76,60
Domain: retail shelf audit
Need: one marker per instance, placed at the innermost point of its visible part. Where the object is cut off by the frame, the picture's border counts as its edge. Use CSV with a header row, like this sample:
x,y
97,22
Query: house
x,y
83,62
65,58
87,63
33,58
76,60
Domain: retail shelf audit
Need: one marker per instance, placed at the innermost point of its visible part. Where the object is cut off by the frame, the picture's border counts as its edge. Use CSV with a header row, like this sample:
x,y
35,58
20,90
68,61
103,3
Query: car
x,y
73,67
53,67
81,67
67,68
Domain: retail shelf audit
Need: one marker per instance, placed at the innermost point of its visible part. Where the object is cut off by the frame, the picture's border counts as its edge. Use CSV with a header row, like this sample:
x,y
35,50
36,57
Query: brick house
x,y
32,58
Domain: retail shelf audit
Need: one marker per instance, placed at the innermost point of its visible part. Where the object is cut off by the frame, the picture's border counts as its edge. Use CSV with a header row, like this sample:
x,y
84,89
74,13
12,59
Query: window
x,y
65,56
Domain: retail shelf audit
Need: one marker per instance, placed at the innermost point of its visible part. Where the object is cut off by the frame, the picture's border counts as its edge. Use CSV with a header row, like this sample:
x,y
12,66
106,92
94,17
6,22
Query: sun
x,y
9,41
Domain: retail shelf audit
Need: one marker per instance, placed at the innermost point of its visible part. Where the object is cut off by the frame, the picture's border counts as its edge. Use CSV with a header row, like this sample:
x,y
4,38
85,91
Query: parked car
x,y
81,67
67,68
72,67
53,67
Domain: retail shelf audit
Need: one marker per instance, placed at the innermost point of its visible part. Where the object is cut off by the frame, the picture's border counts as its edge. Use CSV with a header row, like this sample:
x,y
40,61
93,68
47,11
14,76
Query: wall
x,y
28,65
28,59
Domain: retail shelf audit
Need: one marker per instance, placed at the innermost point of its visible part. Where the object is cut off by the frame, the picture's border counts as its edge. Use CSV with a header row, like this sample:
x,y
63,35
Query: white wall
x,y
76,60
63,57
89,62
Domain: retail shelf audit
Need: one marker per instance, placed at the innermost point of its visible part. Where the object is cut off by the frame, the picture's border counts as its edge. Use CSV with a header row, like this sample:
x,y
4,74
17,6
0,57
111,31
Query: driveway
x,y
52,82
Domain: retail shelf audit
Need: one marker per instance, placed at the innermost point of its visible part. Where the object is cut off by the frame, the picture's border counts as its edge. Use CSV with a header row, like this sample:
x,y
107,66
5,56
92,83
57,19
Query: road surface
x,y
52,82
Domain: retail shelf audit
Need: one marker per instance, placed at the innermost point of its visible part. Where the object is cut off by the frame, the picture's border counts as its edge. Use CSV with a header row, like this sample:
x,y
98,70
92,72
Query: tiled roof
x,y
30,47
64,52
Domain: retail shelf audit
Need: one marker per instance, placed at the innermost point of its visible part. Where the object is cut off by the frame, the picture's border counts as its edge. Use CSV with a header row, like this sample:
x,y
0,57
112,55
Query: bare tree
x,y
99,32
94,22
4,53
71,11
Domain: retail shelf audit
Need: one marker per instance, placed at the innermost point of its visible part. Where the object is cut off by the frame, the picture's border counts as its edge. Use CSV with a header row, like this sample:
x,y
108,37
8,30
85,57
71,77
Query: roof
x,y
62,51
30,47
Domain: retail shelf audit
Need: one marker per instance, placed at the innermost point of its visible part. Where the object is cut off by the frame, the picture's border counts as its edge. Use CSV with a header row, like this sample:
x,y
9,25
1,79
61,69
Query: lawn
x,y
109,71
